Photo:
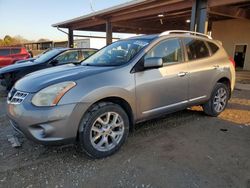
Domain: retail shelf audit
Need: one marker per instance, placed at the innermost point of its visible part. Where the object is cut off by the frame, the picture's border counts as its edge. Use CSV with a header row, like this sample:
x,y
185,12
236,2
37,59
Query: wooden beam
x,y
89,23
140,28
175,15
155,22
230,11
214,3
163,9
137,27
108,32
144,7
70,38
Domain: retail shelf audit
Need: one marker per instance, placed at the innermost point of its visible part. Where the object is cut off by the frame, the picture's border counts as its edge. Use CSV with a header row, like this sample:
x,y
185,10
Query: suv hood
x,y
38,80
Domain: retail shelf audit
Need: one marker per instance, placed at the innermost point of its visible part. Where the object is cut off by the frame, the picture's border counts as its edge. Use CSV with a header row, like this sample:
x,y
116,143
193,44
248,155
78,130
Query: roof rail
x,y
185,32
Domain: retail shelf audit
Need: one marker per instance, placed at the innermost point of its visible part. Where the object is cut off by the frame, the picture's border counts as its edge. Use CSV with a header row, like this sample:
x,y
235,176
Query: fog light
x,y
42,130
43,133
46,130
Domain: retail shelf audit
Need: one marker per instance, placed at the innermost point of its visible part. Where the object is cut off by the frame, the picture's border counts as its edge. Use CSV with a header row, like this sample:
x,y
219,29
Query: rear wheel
x,y
218,101
103,130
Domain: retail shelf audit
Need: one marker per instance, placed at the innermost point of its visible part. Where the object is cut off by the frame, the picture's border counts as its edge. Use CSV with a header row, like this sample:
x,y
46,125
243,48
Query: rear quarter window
x,y
196,49
4,52
213,47
15,51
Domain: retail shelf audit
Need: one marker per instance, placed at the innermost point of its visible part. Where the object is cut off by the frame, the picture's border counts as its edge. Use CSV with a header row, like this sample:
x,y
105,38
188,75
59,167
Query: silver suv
x,y
130,81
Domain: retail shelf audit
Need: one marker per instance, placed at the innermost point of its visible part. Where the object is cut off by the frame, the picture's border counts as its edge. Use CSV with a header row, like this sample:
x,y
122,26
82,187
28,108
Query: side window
x,y
169,50
87,54
15,51
68,56
4,52
213,47
196,49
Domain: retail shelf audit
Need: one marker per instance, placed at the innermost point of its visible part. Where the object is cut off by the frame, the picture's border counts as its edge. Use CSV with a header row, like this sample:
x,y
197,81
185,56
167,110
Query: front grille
x,y
16,97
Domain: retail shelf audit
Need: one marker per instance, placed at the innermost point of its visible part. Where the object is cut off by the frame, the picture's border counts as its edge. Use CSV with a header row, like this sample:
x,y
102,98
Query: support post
x,y
108,32
199,18
193,17
70,38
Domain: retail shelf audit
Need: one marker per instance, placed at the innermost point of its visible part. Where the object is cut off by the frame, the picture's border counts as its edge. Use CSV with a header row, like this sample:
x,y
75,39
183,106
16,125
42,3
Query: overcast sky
x,y
32,19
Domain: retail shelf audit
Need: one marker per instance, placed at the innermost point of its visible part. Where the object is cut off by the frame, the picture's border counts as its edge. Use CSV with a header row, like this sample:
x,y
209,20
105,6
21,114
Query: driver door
x,y
164,89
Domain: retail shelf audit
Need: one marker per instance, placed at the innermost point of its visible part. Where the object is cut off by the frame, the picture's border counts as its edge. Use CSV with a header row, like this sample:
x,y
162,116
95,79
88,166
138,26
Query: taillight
x,y
232,61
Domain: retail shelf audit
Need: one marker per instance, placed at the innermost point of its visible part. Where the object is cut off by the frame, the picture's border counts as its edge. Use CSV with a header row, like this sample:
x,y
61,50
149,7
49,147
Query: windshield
x,y
118,53
47,56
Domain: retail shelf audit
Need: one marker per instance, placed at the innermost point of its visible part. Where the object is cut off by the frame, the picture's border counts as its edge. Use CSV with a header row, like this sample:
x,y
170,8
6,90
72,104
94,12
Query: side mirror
x,y
54,62
153,62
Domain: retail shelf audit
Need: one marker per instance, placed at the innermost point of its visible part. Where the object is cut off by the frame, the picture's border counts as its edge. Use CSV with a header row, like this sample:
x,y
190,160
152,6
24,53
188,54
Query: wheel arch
x,y
119,101
227,82
125,106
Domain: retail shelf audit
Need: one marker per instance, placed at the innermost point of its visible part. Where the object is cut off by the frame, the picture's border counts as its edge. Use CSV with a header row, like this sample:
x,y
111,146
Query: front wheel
x,y
218,101
103,130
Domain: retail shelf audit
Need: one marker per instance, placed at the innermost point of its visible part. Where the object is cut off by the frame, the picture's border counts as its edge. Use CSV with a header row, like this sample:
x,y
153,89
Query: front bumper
x,y
47,125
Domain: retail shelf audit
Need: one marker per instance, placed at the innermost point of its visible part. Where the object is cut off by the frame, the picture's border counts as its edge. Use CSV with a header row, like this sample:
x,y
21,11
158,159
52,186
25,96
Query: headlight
x,y
51,95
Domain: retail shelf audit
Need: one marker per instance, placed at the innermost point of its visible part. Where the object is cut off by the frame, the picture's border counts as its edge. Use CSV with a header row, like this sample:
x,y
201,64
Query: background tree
x,y
43,40
8,40
13,41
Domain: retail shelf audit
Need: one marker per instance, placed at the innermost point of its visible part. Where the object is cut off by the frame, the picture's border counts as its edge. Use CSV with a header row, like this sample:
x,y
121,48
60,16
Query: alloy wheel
x,y
107,131
220,100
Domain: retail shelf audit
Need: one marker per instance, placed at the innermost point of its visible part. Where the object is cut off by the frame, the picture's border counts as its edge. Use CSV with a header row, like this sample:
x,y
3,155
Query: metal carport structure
x,y
155,16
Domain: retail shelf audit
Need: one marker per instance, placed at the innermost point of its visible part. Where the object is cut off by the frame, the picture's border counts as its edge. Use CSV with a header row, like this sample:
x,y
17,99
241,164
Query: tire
x,y
218,100
103,130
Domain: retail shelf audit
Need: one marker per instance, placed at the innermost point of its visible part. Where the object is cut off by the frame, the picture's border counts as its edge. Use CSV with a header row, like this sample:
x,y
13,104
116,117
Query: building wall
x,y
82,43
232,32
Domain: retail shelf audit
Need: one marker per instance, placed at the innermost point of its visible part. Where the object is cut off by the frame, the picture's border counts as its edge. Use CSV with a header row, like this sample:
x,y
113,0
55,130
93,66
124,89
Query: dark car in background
x,y
35,57
54,57
9,55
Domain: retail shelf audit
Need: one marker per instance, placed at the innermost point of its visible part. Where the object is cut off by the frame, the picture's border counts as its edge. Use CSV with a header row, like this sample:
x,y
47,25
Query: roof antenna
x,y
91,5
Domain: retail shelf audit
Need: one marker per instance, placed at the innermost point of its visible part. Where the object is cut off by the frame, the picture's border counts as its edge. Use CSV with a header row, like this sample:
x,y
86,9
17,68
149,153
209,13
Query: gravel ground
x,y
184,149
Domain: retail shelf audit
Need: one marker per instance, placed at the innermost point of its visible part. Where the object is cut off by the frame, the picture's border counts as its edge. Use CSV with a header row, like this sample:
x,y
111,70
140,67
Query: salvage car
x,y
129,81
54,57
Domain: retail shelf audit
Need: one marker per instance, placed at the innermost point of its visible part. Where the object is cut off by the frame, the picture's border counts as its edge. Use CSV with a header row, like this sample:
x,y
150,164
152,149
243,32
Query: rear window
x,y
15,51
4,52
196,49
213,47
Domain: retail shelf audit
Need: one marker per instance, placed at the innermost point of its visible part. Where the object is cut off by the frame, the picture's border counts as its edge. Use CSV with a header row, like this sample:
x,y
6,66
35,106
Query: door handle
x,y
181,74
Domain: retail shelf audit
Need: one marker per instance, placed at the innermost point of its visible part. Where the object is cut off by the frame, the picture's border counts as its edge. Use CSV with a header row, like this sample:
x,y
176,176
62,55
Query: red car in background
x,y
9,55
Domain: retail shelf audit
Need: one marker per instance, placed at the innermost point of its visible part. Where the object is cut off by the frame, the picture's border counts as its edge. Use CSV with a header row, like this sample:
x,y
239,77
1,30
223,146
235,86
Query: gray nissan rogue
x,y
130,81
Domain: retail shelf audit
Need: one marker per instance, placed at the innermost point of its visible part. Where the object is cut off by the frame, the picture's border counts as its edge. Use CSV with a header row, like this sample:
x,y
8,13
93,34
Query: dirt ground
x,y
184,149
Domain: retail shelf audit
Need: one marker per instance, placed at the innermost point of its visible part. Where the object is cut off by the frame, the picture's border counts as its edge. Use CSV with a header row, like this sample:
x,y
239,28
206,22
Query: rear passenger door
x,y
159,90
16,54
200,68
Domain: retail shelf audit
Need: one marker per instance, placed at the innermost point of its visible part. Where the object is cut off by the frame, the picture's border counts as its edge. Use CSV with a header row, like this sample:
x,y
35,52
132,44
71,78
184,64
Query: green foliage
x,y
13,41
